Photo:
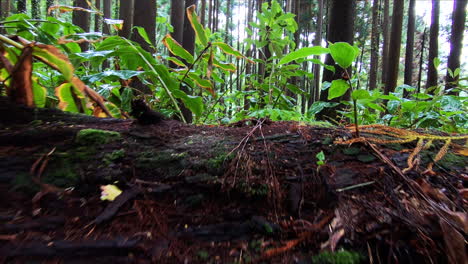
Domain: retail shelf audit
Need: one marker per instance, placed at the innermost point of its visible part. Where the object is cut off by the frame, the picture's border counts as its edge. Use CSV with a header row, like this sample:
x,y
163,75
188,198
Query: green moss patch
x,y
96,136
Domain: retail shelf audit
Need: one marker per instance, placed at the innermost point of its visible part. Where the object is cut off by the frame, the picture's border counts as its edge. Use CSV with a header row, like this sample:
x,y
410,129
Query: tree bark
x,y
188,38
317,42
386,39
456,43
409,46
21,6
107,7
82,19
375,35
395,43
340,29
4,9
421,59
145,17
433,46
98,17
203,13
126,14
50,3
35,9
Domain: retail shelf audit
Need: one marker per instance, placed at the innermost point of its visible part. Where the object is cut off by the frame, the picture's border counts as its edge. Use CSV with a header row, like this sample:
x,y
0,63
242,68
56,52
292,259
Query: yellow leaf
x,y
109,192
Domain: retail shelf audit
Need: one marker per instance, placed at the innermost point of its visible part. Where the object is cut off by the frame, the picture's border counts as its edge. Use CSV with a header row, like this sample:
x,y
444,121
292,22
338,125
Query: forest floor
x,y
251,192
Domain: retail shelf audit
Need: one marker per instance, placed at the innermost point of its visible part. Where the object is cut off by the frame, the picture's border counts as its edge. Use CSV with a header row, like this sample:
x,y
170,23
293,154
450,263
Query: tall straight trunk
x,y
395,43
35,9
210,15
409,45
177,21
203,12
189,34
386,39
421,59
49,3
97,17
433,45
374,60
317,42
145,17
249,53
126,9
456,41
81,19
228,22
4,10
21,6
216,16
107,7
340,29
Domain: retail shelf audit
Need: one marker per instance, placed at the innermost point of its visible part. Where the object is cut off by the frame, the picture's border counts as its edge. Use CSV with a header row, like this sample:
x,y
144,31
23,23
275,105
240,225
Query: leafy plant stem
x,y
160,80
213,106
11,42
354,106
195,62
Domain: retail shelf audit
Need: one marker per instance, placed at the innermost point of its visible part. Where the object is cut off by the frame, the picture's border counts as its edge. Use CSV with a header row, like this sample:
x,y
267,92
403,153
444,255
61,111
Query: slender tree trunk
x,y
35,9
317,42
248,66
107,6
50,3
97,17
177,13
228,22
81,19
189,34
456,42
395,43
374,61
409,46
126,14
4,9
21,6
421,60
210,15
203,12
386,39
433,45
145,17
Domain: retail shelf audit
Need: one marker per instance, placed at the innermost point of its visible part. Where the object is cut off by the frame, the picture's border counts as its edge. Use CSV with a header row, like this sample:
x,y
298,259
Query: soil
x,y
250,192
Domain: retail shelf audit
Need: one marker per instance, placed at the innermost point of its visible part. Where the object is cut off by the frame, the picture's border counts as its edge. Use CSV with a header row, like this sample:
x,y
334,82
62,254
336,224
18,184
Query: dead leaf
x,y
20,90
454,244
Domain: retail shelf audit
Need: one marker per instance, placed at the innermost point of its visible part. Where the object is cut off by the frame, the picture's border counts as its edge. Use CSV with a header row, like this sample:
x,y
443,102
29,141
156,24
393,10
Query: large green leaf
x,y
193,103
144,35
53,57
360,94
303,53
197,27
68,101
343,53
175,48
337,88
39,94
123,74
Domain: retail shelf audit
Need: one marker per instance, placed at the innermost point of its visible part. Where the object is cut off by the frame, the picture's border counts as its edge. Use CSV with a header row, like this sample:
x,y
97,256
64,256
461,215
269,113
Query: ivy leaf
x,y
303,53
360,94
337,88
343,53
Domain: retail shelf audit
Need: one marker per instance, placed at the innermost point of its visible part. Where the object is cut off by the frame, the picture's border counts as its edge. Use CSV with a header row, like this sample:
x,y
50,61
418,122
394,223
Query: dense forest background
x,y
254,58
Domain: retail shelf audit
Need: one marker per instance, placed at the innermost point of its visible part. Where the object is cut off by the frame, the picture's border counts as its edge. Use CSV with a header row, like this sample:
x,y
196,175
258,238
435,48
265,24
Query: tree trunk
x,y
188,38
210,15
145,17
177,13
98,17
227,29
375,35
50,3
35,9
395,43
81,19
21,6
317,42
386,39
4,9
203,13
409,46
126,14
456,43
107,6
421,59
433,46
340,29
